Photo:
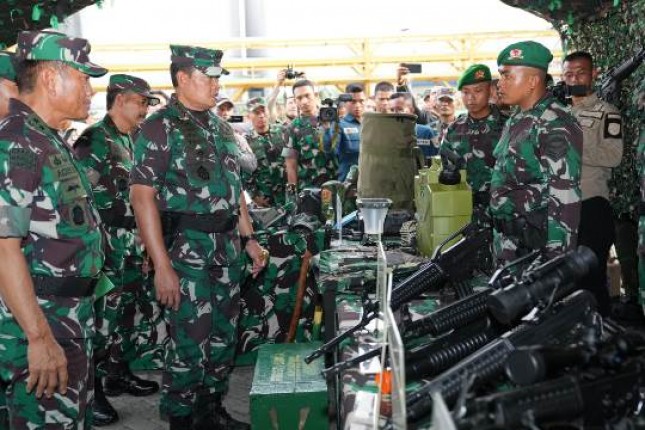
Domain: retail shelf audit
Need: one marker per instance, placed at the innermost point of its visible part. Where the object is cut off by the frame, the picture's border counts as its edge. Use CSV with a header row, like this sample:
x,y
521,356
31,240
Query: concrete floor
x,y
142,413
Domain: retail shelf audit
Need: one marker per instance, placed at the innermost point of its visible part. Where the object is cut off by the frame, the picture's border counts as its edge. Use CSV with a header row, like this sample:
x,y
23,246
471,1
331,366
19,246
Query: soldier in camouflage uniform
x,y
105,150
266,183
51,246
306,162
535,186
8,90
187,198
474,135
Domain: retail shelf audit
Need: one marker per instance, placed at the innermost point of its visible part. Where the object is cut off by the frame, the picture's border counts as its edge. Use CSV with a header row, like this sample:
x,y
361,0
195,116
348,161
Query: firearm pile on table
x,y
528,350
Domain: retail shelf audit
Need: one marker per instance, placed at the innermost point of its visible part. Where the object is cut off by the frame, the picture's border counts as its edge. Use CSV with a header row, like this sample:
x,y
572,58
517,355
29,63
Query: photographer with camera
x,y
602,145
306,162
224,109
290,108
423,117
349,130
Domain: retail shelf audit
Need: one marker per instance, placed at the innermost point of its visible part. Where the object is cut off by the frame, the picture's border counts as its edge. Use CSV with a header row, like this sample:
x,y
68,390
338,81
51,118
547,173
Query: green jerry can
x,y
441,209
287,393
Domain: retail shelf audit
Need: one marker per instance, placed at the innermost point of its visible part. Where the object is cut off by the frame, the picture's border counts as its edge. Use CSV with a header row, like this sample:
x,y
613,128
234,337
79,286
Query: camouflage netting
x,y
611,30
17,15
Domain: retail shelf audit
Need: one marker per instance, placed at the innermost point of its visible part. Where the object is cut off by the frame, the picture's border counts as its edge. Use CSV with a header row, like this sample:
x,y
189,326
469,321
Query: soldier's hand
x,y
167,287
282,75
259,255
47,367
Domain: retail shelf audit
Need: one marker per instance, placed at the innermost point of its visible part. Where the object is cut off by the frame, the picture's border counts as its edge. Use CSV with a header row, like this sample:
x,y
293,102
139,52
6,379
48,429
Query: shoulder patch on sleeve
x,y
22,158
613,126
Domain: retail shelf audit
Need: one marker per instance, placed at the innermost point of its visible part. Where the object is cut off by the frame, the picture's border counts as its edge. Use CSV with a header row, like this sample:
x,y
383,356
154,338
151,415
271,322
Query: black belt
x,y
109,218
207,223
69,286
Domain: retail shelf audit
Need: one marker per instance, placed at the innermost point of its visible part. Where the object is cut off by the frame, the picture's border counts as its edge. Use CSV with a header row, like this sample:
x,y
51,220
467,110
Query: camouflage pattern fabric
x,y
268,180
537,171
268,301
106,154
474,140
641,220
7,70
61,237
191,160
305,143
55,46
208,61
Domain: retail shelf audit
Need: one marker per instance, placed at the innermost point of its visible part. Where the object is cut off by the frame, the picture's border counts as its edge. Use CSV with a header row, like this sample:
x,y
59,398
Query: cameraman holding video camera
x,y
349,130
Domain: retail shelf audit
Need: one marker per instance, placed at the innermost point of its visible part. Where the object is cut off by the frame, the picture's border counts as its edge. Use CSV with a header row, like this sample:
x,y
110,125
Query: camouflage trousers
x,y
641,260
116,337
201,349
71,411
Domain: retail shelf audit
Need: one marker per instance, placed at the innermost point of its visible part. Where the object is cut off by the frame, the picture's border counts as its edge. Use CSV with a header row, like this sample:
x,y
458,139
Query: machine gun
x,y
463,327
488,362
600,400
455,264
610,84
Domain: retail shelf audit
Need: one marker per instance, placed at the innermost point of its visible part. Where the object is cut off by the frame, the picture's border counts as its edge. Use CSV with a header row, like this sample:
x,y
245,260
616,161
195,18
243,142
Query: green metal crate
x,y
287,393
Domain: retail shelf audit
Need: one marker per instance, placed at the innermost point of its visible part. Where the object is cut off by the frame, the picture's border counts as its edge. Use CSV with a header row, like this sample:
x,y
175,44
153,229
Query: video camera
x,y
290,73
329,111
564,92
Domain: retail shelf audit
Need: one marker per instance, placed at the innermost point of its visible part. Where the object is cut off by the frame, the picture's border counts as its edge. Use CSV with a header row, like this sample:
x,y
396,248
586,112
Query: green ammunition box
x,y
287,393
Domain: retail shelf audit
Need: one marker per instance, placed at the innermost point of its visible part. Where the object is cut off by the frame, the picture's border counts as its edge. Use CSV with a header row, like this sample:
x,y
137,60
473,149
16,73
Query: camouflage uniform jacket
x,y
268,180
305,143
106,154
475,140
537,176
46,200
191,160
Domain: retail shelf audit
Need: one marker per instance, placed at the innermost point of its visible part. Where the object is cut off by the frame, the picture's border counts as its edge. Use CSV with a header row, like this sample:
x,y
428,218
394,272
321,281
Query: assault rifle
x,y
455,264
610,84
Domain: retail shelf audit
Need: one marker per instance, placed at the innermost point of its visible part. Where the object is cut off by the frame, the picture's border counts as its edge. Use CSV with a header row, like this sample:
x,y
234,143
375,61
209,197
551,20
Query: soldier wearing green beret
x,y
535,185
8,88
187,197
105,150
473,137
51,247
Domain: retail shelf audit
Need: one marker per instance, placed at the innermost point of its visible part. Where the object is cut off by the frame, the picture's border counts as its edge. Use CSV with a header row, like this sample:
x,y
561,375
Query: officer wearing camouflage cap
x,y
473,137
187,197
535,185
105,150
267,183
51,250
8,88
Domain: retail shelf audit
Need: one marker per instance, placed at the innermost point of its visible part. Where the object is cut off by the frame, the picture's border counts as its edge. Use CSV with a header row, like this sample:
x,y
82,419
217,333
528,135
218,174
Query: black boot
x,y
124,381
103,413
210,414
181,423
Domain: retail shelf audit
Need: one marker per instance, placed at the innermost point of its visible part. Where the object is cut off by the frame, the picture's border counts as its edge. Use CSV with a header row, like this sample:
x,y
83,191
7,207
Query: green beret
x,y
7,70
473,75
55,46
208,61
123,82
527,53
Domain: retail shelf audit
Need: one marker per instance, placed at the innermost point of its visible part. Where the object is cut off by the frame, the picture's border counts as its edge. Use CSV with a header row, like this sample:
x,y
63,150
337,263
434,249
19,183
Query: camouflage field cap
x,y
256,103
208,61
7,70
54,46
445,92
527,53
473,75
123,82
225,101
